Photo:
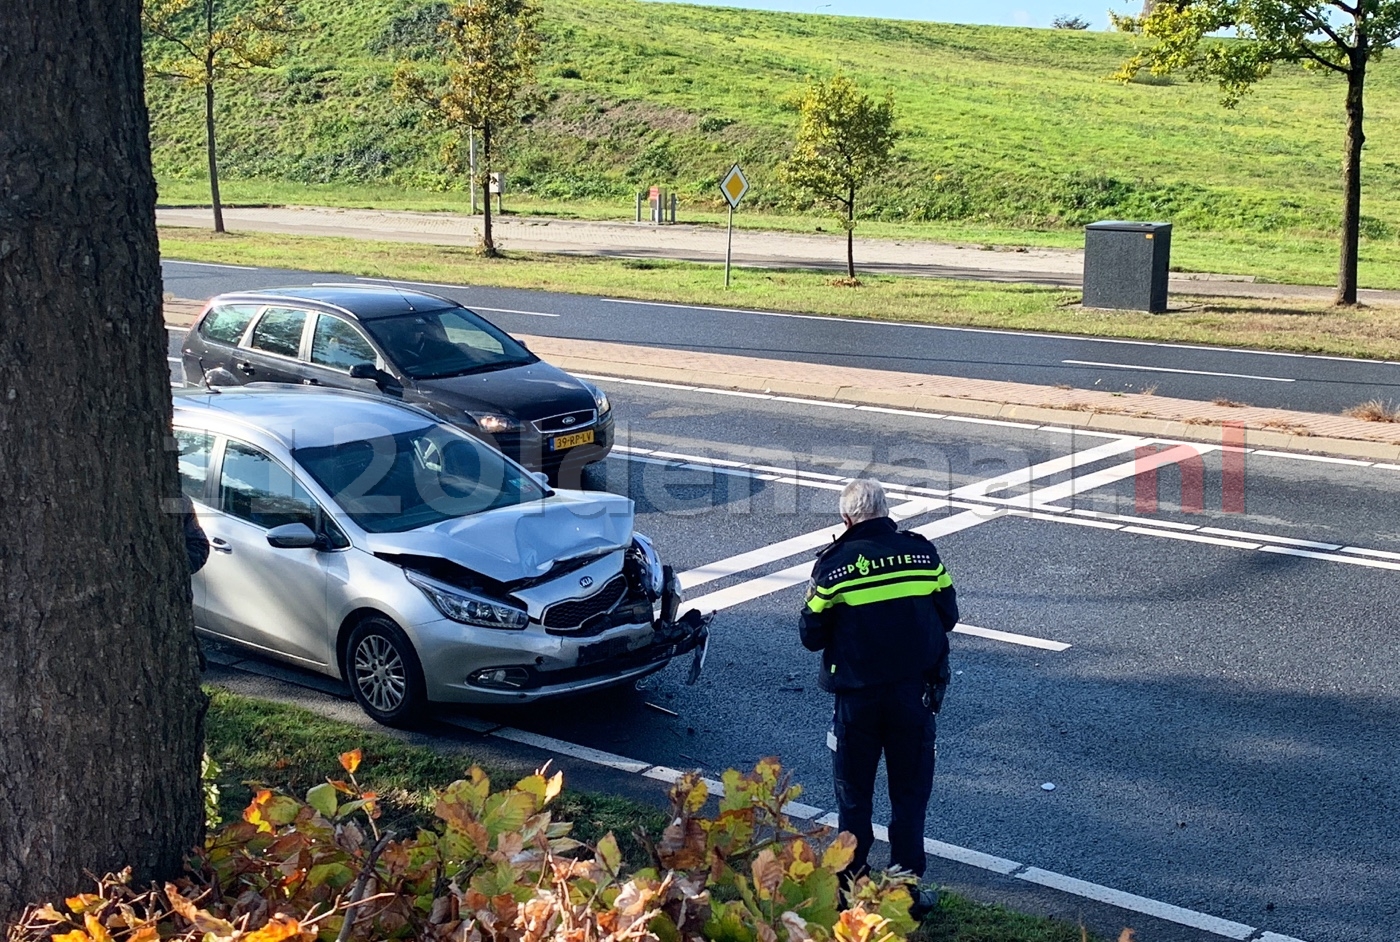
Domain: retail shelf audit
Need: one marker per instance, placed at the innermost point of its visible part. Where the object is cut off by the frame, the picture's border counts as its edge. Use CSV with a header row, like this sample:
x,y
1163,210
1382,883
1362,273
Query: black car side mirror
x,y
369,371
292,536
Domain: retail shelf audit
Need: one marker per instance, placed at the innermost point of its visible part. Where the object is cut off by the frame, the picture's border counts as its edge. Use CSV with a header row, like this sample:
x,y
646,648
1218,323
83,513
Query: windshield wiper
x,y
476,368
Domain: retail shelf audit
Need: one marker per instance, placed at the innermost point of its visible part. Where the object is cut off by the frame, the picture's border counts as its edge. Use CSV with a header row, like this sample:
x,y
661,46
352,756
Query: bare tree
x,y
101,715
199,42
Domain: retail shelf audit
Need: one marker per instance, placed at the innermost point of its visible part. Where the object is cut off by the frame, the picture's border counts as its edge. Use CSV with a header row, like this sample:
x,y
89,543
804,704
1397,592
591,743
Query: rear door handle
x,y
220,545
311,381
246,368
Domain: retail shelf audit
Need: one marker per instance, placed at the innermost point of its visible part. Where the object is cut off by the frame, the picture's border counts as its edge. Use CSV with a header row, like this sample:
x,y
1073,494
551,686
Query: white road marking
x,y
1010,638
1324,459
1265,538
1350,560
1140,904
587,754
973,858
1166,369
796,575
1145,521
399,281
784,548
176,261
1045,469
1063,491
507,310
1379,554
1192,537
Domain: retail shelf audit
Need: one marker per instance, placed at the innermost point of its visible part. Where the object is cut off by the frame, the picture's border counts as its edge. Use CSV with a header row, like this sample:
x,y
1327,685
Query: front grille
x,y
567,422
571,614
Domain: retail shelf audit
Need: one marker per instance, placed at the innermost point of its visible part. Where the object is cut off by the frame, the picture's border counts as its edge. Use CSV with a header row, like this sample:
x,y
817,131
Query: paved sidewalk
x,y
1128,413
760,249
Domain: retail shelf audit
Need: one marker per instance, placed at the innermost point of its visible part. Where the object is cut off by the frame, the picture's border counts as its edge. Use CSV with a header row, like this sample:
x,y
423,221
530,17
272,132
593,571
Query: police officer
x,y
879,609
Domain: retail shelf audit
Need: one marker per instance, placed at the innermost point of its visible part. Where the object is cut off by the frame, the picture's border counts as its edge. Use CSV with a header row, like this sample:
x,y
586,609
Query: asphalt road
x,y
1218,722
1311,383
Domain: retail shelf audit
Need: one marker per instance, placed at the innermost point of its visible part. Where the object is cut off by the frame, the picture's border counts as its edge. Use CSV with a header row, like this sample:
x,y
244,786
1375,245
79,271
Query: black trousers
x,y
894,721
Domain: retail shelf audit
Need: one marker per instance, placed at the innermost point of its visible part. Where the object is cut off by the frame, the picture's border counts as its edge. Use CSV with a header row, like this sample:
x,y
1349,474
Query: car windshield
x,y
449,342
393,483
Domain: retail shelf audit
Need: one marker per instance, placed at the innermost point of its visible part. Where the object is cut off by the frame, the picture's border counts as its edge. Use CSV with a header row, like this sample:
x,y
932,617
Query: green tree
x,y
198,42
489,83
101,715
844,139
1335,38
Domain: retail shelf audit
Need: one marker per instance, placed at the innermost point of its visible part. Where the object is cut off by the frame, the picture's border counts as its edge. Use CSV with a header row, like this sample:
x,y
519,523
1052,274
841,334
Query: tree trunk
x,y
209,143
1351,183
101,716
488,244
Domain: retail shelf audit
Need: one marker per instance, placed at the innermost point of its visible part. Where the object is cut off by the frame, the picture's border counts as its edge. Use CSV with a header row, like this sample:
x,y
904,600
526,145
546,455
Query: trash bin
x,y
1125,265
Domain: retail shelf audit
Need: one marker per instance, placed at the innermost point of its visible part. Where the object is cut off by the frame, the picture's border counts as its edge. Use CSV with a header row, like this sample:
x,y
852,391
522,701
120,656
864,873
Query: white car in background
x,y
366,540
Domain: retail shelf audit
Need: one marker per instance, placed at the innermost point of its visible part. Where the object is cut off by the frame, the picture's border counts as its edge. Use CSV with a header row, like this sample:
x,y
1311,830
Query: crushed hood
x,y
522,542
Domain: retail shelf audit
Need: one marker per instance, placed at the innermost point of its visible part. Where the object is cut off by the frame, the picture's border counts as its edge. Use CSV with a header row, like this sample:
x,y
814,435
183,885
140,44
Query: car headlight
x,y
600,399
495,424
655,573
468,607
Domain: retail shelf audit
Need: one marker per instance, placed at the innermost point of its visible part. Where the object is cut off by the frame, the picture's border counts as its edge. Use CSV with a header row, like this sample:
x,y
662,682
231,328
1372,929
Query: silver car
x,y
364,539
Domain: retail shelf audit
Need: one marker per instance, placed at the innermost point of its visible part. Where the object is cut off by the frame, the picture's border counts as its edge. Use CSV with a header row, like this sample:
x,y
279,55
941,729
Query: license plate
x,y
561,442
602,651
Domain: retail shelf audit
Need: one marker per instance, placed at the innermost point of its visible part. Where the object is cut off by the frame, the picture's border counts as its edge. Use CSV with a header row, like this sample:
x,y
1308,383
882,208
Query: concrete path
x,y
698,243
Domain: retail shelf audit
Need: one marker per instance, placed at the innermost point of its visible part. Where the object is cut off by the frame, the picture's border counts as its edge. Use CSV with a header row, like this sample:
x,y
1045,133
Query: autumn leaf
x,y
350,761
767,873
840,853
96,929
77,935
278,929
609,856
82,901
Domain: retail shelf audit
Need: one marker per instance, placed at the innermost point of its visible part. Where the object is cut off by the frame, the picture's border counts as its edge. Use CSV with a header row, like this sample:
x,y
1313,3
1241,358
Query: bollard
x,y
640,194
673,208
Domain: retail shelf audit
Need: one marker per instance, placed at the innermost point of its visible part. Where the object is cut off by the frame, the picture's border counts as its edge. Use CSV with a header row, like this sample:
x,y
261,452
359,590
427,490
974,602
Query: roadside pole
x,y
733,186
729,246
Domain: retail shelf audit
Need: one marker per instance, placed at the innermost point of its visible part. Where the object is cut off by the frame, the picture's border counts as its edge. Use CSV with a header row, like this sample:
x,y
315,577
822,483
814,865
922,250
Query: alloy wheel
x,y
380,674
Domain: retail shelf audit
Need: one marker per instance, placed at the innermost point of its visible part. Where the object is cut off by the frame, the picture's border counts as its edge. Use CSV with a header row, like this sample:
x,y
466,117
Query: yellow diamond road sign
x,y
734,186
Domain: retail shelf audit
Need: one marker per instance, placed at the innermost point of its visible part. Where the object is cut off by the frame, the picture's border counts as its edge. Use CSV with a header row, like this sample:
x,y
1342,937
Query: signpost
x,y
733,186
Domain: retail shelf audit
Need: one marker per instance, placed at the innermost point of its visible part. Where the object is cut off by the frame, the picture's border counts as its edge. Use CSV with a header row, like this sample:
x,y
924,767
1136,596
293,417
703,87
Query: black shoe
x,y
925,902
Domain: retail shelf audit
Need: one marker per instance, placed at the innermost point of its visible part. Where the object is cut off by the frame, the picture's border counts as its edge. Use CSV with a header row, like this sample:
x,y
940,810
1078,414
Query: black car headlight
x,y
493,423
600,399
468,607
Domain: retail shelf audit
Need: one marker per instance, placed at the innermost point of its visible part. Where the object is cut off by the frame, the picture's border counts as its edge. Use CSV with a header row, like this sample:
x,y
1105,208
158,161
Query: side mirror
x,y
291,536
365,371
541,478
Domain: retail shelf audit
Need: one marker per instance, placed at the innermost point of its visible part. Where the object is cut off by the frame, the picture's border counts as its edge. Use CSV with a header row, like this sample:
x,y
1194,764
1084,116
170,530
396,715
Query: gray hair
x,y
864,499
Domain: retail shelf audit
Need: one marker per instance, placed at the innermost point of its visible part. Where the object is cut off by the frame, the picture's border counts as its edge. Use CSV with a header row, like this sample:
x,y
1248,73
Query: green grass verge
x,y
259,743
1007,133
1305,327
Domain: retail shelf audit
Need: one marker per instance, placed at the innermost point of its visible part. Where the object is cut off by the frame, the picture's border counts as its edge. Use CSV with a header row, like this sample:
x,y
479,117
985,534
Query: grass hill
x,y
1002,127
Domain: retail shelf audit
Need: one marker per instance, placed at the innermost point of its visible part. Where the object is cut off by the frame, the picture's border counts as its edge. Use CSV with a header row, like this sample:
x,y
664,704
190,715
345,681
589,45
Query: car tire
x,y
384,673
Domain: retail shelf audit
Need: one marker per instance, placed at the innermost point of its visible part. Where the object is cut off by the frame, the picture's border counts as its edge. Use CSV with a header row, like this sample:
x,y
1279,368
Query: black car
x,y
411,345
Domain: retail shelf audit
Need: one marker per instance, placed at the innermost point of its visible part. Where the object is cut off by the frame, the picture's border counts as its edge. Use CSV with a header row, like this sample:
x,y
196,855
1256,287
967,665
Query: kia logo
x,y
568,420
586,581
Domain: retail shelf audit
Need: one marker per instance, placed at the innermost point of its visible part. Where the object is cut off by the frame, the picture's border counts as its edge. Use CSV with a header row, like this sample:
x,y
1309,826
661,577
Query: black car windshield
x,y
449,342
400,482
